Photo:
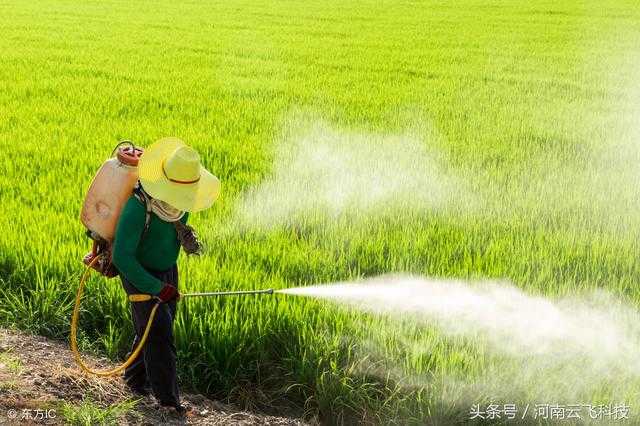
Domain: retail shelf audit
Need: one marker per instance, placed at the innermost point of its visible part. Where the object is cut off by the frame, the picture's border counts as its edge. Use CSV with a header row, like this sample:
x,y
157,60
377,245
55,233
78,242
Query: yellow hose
x,y
74,329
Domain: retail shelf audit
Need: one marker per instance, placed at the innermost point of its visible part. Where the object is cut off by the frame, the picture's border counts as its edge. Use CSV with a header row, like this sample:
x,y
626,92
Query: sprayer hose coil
x,y
74,329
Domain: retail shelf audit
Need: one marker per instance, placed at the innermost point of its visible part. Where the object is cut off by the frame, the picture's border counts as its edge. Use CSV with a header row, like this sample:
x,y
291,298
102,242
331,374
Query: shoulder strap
x,y
185,233
140,195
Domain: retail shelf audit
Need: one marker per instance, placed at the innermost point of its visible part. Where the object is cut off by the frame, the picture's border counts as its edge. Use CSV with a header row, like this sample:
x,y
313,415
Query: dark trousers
x,y
156,365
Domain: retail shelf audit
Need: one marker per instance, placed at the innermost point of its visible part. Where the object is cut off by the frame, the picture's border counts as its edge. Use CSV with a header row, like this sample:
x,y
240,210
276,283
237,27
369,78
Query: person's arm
x,y
127,238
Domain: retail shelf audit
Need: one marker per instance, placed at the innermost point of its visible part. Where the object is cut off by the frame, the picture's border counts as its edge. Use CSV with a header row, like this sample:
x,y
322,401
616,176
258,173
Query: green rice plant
x,y
41,309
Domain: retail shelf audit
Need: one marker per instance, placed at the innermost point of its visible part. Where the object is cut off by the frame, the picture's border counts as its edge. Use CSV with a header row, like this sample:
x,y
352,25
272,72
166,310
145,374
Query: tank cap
x,y
129,155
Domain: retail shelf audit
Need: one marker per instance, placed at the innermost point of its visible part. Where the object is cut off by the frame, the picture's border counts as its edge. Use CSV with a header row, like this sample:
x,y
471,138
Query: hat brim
x,y
190,197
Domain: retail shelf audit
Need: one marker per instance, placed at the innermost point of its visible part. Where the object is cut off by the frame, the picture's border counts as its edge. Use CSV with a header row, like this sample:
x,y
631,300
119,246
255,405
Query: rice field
x,y
522,118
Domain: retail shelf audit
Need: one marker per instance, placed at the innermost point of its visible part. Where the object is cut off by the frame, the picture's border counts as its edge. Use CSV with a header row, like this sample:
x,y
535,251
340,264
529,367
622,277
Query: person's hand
x,y
168,293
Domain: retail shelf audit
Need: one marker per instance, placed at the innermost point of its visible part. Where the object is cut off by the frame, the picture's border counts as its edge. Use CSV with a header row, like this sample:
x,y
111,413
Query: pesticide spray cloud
x,y
322,171
512,320
566,347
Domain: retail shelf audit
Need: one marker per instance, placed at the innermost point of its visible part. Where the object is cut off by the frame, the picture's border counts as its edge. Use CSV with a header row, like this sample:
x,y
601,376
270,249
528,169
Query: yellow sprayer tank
x,y
109,191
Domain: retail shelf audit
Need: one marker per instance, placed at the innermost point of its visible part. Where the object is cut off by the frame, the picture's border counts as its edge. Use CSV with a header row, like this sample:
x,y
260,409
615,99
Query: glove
x,y
168,293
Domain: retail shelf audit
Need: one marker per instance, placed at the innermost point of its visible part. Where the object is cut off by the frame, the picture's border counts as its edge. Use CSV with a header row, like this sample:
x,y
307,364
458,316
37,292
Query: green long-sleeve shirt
x,y
158,250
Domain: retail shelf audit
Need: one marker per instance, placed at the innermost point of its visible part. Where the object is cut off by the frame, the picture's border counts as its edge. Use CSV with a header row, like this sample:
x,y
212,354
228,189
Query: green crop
x,y
532,105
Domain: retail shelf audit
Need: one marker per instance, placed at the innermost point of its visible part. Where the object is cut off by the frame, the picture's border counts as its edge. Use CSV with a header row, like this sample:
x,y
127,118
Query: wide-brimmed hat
x,y
171,171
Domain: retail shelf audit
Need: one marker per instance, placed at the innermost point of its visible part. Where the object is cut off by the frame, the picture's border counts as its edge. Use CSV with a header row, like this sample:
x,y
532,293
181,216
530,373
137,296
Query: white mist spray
x,y
556,349
513,321
321,170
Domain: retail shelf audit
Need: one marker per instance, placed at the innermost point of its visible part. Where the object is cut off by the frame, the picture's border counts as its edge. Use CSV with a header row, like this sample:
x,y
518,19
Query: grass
x,y
14,367
533,107
88,413
11,363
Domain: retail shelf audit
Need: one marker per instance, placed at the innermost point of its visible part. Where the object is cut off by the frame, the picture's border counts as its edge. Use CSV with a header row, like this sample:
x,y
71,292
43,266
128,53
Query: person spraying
x,y
150,230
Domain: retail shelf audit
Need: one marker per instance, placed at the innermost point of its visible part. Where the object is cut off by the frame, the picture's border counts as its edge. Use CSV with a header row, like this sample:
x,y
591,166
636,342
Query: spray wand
x,y
228,293
146,297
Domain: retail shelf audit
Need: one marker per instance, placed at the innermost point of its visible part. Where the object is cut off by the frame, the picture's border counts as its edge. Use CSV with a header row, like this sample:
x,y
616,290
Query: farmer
x,y
172,183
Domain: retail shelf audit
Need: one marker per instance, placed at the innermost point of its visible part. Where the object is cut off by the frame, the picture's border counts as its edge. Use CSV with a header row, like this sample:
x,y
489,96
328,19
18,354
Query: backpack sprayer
x,y
109,191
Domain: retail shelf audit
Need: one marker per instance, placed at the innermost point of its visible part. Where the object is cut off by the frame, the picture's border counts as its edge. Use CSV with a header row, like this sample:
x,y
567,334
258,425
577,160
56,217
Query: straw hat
x,y
170,171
